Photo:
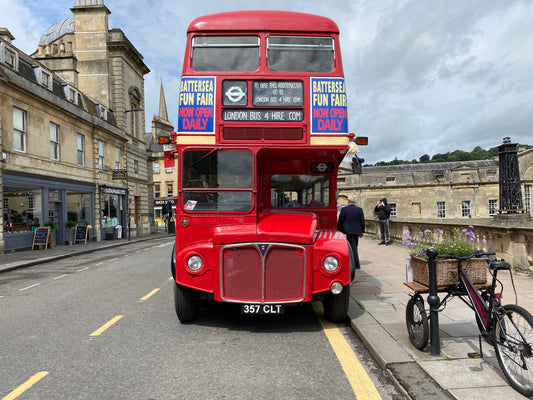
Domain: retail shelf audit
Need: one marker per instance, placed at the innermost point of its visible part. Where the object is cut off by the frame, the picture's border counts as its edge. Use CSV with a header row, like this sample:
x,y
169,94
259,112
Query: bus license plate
x,y
262,309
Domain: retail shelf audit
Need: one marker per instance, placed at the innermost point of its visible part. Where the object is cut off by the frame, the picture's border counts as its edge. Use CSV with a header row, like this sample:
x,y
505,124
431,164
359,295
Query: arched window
x,y
135,113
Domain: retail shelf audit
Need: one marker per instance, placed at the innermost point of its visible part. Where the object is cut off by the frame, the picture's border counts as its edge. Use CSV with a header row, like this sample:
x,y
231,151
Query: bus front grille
x,y
263,273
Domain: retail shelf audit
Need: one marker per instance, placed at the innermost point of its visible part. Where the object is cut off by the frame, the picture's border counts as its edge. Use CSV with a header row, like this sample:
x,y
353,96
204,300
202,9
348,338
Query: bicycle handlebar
x,y
475,254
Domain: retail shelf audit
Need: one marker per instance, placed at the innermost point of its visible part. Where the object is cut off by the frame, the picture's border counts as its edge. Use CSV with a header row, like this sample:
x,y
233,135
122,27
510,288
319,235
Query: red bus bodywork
x,y
258,146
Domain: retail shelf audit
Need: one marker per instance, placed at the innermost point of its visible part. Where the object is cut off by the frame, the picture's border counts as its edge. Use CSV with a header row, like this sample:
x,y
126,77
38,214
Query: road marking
x,y
100,263
60,276
100,330
149,294
362,385
26,385
29,287
114,259
83,269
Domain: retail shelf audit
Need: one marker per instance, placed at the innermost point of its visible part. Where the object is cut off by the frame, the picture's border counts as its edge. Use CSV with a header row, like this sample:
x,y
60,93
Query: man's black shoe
x,y
381,242
387,244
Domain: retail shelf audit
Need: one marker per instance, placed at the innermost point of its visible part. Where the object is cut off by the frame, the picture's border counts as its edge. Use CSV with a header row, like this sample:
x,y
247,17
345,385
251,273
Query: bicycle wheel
x,y
514,340
417,322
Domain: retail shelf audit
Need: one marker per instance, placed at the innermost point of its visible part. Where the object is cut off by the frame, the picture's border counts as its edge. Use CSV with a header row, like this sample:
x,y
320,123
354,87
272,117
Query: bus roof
x,y
263,20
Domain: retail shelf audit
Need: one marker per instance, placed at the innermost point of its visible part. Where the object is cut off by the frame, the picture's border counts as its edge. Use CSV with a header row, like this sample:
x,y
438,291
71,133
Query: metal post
x,y
434,303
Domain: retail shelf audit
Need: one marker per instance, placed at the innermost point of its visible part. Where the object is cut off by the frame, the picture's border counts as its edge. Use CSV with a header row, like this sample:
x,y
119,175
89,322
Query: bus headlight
x,y
194,263
330,264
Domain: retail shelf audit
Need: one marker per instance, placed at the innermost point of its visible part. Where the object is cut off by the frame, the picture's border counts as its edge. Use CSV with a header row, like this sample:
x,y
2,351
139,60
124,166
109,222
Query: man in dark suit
x,y
352,223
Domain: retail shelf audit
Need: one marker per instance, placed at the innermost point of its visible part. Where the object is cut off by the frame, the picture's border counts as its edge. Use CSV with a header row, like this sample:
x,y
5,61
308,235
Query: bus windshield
x,y
297,191
217,180
300,54
225,53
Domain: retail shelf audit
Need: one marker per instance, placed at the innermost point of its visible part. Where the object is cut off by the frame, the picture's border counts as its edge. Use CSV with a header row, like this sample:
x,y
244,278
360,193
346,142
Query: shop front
x,y
30,201
113,212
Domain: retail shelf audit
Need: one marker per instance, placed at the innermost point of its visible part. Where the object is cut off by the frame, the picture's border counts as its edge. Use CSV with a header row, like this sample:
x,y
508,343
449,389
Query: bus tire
x,y
187,303
336,306
173,262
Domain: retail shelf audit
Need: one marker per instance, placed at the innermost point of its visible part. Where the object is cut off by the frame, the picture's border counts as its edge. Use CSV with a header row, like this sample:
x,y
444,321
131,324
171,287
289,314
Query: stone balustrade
x,y
511,239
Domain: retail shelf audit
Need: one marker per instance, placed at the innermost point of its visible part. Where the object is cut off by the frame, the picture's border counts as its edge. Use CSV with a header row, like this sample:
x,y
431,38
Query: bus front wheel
x,y
336,305
187,303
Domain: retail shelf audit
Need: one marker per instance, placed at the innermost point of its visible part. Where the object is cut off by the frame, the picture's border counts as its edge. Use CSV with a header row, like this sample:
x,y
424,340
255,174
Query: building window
x,y
19,129
527,198
157,190
168,170
43,77
156,167
136,166
9,56
393,210
441,209
117,158
390,179
493,207
31,203
101,157
465,209
81,149
54,141
170,190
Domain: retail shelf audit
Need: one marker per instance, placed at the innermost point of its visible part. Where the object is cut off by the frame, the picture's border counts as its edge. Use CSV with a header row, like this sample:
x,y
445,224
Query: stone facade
x,y
71,122
447,196
468,189
105,65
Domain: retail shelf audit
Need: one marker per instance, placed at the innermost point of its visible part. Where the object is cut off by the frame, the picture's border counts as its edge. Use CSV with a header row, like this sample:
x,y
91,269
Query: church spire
x,y
162,104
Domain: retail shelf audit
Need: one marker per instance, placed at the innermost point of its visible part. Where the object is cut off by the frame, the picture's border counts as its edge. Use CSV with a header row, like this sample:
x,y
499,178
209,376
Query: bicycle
x,y
508,328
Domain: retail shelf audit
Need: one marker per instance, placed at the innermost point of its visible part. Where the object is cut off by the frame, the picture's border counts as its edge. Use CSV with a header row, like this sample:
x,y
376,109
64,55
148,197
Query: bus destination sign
x,y
277,93
258,115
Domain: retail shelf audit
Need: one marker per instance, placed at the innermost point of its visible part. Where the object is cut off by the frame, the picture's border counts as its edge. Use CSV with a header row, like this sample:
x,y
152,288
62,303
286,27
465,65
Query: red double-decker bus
x,y
262,128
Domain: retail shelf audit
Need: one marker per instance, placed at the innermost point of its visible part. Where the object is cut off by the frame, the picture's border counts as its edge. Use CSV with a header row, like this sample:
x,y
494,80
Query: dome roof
x,y
57,30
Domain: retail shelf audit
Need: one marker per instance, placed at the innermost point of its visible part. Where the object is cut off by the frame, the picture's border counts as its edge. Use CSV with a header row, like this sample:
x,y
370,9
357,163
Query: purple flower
x,y
441,233
470,226
484,241
421,234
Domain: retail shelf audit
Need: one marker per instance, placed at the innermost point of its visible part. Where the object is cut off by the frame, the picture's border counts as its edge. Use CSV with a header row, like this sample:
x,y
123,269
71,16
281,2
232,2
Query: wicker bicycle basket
x,y
447,274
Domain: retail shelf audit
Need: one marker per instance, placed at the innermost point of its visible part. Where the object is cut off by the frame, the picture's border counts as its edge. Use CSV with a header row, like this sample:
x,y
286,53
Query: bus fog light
x,y
331,264
194,263
336,287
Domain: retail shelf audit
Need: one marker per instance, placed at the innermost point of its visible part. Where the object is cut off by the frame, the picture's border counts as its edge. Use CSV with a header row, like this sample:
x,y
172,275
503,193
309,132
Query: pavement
x,y
377,315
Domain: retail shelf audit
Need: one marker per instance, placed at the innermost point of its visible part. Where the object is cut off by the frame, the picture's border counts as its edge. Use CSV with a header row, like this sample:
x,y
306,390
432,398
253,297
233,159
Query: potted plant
x,y
53,227
461,244
70,232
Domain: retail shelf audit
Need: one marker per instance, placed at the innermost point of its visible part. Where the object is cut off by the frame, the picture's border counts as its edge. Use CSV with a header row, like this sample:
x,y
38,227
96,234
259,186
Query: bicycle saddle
x,y
500,265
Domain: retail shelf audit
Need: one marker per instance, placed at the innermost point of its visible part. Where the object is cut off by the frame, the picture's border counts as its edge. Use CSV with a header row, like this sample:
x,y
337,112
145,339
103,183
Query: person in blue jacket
x,y
352,223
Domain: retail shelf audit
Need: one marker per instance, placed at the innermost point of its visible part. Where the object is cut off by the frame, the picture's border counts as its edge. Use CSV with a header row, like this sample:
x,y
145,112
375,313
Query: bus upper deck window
x,y
225,53
300,53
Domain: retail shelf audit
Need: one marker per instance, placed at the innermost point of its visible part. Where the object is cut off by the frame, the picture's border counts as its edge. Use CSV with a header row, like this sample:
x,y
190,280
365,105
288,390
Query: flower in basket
x,y
462,243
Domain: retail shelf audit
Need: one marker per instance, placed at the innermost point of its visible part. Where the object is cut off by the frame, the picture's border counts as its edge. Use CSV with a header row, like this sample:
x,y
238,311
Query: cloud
x,y
422,76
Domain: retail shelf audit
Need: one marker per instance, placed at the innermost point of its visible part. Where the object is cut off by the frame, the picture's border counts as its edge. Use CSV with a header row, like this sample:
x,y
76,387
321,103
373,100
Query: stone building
x,y
452,190
164,179
446,196
72,131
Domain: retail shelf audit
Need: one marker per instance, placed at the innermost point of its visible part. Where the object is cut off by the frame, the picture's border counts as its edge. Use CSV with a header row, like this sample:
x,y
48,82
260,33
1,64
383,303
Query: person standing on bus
x,y
383,211
352,223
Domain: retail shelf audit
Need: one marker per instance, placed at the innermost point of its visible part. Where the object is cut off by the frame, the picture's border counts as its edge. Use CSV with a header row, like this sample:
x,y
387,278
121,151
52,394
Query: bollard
x,y
434,303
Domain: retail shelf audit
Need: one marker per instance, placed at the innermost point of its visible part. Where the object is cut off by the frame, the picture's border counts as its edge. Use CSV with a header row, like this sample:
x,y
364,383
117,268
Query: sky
x,y
422,76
